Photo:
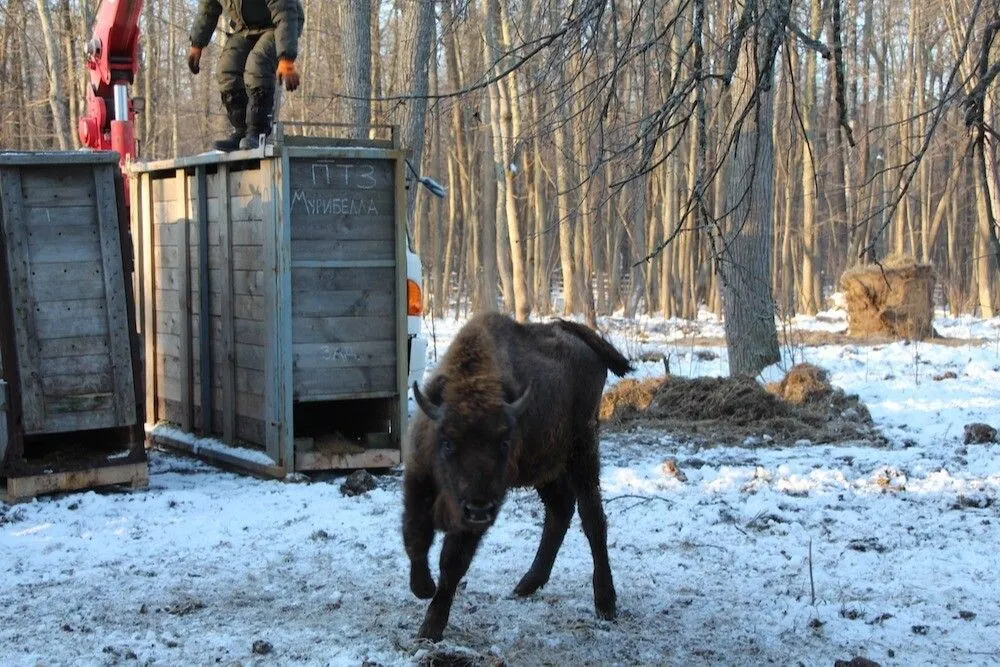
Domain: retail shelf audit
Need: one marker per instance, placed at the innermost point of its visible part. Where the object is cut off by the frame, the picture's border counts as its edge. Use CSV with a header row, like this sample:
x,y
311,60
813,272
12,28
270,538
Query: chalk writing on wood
x,y
318,204
346,174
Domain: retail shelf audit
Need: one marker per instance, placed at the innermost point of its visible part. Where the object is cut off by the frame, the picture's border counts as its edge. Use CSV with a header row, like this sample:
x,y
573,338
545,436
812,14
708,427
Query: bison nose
x,y
479,514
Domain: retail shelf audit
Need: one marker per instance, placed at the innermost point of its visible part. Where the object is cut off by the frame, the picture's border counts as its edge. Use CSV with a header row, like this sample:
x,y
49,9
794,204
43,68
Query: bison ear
x,y
430,409
516,407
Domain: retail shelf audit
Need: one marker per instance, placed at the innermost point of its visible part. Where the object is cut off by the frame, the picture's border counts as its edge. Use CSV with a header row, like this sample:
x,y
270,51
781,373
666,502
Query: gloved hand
x,y
194,59
287,74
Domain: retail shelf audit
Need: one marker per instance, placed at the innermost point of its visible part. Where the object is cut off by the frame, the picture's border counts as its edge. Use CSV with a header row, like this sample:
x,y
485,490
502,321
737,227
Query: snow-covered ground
x,y
801,555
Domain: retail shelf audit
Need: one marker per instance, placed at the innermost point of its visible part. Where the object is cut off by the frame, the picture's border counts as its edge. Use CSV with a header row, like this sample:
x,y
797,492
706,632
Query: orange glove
x,y
194,59
287,74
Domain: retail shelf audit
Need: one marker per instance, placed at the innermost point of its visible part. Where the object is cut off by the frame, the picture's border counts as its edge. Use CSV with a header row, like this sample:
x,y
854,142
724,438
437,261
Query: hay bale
x,y
802,383
894,299
628,398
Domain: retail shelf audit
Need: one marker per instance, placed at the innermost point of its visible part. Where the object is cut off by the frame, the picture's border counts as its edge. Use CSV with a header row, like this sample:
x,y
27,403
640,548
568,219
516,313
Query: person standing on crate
x,y
261,45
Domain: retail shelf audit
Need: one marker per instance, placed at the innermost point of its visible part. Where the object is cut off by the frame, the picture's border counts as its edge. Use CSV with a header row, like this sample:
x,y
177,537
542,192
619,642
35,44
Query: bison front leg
x,y
456,554
559,504
418,533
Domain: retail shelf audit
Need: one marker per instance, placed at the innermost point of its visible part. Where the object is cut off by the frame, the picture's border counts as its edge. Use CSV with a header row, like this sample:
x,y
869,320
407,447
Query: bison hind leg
x,y
588,494
559,504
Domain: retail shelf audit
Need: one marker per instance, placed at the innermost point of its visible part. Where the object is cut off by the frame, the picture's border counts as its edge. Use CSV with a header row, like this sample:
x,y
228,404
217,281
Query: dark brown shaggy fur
x,y
510,405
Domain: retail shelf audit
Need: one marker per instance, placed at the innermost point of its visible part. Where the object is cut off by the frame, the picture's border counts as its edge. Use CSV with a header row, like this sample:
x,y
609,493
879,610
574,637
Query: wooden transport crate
x,y
71,387
296,253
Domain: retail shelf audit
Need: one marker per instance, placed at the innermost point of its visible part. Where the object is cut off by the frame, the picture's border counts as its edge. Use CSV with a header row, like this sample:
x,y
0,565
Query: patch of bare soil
x,y
803,406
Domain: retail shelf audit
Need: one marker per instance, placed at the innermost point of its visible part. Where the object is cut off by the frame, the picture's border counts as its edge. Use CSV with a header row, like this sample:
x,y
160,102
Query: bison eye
x,y
447,447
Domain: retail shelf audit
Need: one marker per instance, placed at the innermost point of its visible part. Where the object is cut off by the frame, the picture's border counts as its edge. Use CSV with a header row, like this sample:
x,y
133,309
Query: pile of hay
x,y
803,406
894,299
802,383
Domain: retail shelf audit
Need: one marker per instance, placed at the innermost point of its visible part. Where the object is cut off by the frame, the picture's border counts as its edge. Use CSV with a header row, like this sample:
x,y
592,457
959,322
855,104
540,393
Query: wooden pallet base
x,y
369,458
24,488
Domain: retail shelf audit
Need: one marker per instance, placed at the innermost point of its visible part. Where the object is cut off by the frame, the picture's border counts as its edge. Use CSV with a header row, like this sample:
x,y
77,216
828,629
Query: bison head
x,y
475,431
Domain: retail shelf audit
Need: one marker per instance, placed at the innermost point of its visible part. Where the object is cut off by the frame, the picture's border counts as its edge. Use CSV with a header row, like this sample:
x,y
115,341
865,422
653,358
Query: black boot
x,y
236,109
258,116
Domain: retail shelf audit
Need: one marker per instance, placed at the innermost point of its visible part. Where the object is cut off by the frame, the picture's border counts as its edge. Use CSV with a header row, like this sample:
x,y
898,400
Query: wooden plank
x,y
344,355
81,364
62,227
18,489
119,343
342,172
278,320
78,383
248,403
342,249
88,420
351,382
249,283
401,412
149,282
71,347
332,280
204,334
45,221
23,300
342,329
187,372
230,457
63,281
254,181
245,257
63,158
346,303
70,319
348,228
136,231
227,287
328,460
58,186
102,402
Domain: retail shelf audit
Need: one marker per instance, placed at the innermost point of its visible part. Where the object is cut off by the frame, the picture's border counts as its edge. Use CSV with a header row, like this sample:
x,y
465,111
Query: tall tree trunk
x,y
357,63
57,101
413,134
745,260
811,294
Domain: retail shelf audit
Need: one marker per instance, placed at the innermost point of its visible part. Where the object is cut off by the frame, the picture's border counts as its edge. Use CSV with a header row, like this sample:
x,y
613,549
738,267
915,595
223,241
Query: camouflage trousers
x,y
249,60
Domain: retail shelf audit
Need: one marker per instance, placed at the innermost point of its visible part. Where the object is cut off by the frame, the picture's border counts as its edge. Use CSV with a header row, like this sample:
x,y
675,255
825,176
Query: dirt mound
x,y
894,298
731,410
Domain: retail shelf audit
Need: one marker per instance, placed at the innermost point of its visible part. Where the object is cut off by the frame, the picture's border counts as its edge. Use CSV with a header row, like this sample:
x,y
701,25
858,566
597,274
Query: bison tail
x,y
615,360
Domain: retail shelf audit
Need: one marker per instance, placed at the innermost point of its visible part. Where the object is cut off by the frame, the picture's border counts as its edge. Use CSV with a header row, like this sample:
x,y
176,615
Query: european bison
x,y
511,405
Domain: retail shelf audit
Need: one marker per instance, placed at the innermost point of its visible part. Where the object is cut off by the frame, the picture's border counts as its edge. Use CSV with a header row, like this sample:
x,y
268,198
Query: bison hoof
x,y
422,585
606,609
608,614
528,585
430,632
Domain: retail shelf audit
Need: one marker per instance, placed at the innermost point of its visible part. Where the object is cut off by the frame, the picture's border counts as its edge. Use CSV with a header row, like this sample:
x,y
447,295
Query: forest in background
x,y
590,148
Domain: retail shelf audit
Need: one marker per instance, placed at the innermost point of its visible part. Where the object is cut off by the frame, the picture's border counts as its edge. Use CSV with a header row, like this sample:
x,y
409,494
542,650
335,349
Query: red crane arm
x,y
112,60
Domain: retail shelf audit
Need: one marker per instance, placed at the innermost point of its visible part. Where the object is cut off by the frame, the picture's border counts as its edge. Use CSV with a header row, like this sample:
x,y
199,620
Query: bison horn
x,y
430,409
515,408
